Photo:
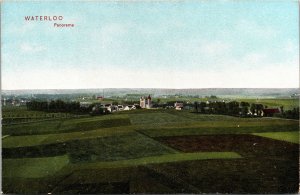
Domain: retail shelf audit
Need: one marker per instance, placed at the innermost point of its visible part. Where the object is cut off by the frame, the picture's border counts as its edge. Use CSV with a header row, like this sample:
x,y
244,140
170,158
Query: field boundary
x,y
166,158
286,136
46,119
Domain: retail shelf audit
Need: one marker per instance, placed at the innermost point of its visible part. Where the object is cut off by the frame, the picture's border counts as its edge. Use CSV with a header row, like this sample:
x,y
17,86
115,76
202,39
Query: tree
x,y
244,108
292,114
245,104
196,106
158,100
253,109
201,107
233,108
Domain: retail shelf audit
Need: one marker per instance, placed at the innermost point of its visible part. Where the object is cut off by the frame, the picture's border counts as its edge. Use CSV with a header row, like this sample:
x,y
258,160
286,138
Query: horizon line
x,y
153,88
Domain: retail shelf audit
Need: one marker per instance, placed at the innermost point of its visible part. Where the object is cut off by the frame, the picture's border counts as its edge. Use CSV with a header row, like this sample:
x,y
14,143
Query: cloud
x,y
32,47
283,75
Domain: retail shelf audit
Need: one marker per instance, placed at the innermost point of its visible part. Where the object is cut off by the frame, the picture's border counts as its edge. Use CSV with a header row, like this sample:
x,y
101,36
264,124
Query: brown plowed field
x,y
244,144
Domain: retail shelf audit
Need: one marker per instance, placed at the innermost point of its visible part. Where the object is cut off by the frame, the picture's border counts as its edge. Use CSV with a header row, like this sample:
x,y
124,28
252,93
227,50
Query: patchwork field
x,y
292,136
151,151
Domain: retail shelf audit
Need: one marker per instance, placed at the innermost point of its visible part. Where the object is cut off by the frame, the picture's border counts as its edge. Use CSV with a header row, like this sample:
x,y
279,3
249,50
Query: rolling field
x,y
152,151
20,114
286,103
292,136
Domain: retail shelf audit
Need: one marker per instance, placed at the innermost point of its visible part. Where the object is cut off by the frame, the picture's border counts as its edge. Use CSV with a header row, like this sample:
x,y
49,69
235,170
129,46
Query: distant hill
x,y
241,92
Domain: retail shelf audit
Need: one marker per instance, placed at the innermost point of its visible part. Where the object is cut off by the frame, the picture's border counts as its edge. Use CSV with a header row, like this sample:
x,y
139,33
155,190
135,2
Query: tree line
x,y
57,106
243,109
291,114
233,108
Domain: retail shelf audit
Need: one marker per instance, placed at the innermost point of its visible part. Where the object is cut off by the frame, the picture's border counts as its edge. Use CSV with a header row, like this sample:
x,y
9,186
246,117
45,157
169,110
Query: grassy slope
x,y
286,103
34,140
150,118
292,136
120,145
117,147
33,167
19,111
177,131
67,125
197,124
16,112
159,159
151,122
41,167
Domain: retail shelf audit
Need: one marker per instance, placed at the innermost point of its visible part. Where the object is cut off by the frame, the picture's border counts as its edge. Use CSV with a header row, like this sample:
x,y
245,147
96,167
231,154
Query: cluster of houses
x,y
204,107
14,101
243,109
145,102
267,112
109,107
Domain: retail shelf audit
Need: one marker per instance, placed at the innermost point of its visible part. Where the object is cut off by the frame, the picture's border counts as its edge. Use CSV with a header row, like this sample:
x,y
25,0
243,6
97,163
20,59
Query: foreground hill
x,y
151,151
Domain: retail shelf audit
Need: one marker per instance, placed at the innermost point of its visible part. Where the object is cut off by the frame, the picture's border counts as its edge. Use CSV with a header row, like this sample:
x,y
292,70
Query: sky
x,y
151,44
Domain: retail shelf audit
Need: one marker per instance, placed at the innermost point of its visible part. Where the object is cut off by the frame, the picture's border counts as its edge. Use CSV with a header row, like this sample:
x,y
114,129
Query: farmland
x,y
150,151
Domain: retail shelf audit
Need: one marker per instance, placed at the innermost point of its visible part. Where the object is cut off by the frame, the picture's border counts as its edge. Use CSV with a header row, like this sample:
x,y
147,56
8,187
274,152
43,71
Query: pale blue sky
x,y
167,44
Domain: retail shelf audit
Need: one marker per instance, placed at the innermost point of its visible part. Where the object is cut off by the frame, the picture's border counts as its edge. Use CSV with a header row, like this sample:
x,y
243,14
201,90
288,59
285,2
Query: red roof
x,y
271,110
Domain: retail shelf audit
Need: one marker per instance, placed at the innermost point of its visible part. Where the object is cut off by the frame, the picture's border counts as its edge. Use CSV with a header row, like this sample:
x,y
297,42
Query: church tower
x,y
142,102
149,104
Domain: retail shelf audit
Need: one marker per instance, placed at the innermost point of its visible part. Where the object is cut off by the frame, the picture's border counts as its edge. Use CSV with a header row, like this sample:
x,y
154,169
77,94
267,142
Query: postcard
x,y
150,97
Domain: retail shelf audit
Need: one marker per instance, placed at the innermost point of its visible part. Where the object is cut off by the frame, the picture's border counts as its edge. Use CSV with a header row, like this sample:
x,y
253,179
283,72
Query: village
x,y
242,109
99,105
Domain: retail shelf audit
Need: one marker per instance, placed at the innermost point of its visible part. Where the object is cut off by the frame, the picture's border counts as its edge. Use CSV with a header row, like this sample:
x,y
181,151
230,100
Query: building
x,y
100,98
146,102
120,107
270,111
178,105
129,107
142,102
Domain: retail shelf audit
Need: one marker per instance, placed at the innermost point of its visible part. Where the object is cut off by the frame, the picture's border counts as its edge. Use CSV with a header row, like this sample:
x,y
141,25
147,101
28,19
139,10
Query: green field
x,y
151,151
292,136
165,158
20,114
276,102
33,167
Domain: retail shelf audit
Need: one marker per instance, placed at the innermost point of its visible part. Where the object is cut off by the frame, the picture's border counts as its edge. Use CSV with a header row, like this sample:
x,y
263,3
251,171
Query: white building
x,y
130,107
178,106
145,102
